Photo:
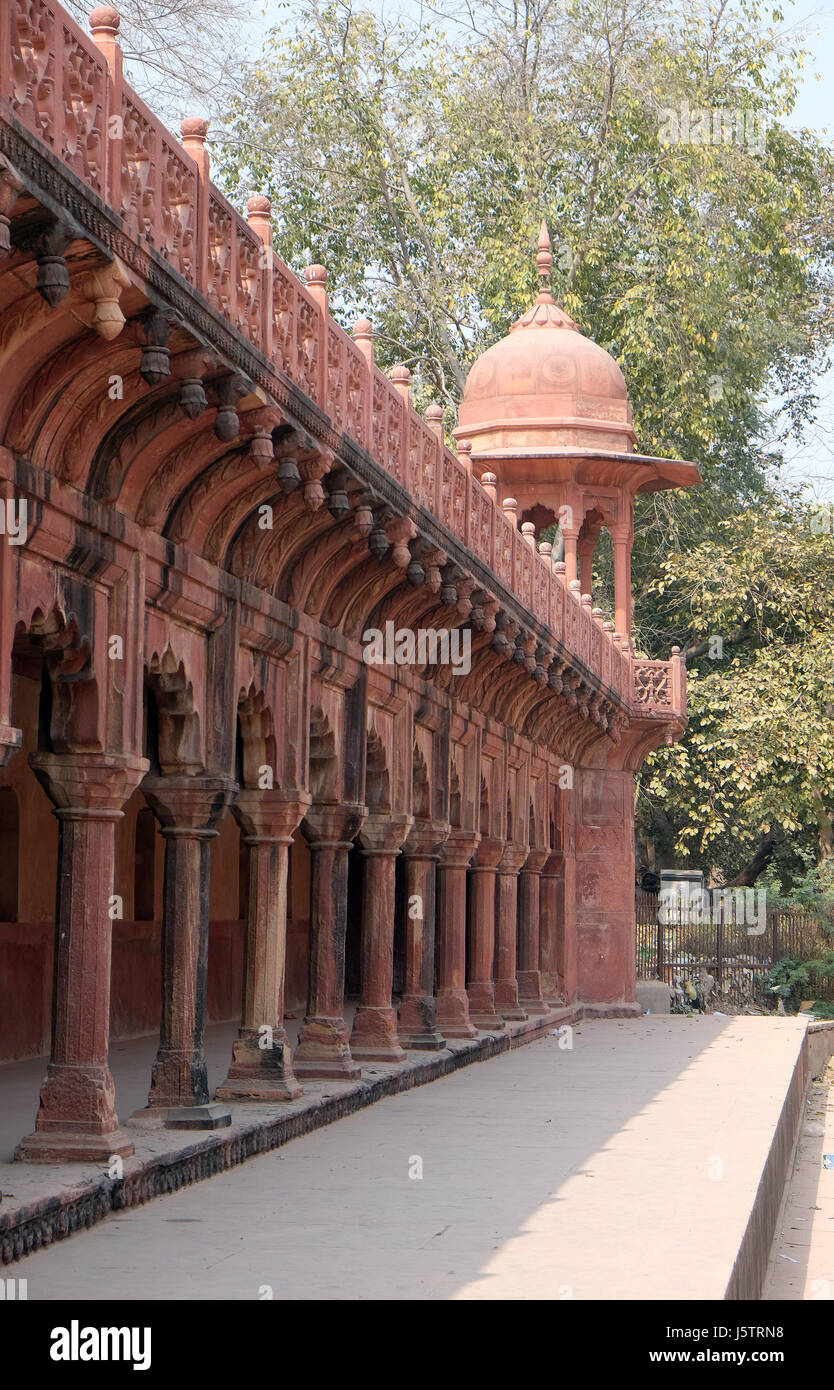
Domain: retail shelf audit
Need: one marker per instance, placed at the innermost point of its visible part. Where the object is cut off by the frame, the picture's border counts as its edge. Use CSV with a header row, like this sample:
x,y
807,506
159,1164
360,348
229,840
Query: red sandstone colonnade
x,y
211,499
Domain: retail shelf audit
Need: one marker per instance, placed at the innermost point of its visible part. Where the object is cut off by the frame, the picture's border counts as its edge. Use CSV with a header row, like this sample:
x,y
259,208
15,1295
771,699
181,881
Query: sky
x,y
810,463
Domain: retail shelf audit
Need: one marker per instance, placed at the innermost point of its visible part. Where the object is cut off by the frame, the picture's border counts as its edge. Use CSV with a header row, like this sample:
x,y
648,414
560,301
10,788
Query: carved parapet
x,y
659,688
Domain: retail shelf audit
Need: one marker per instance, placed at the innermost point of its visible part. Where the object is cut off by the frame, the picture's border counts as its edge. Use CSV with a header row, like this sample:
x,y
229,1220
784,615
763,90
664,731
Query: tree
x,y
694,239
182,55
753,782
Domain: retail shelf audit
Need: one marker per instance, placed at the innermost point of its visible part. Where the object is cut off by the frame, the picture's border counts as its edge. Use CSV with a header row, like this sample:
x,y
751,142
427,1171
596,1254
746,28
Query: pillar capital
x,y
459,848
10,741
535,861
488,854
333,823
384,833
426,838
189,804
269,815
88,785
512,858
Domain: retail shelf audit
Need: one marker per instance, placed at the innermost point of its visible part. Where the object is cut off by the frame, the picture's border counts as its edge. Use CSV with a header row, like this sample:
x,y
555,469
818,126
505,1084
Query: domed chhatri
x,y
545,415
546,384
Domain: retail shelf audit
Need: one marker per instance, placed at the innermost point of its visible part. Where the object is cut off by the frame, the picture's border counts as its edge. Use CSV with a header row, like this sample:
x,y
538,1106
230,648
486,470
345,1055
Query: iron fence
x,y
678,949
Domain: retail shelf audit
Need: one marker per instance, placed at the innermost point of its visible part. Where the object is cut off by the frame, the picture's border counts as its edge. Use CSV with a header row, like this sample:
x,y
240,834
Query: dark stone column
x,y
550,918
188,808
506,984
323,1043
452,1000
418,1010
480,988
374,1035
261,1066
528,973
77,1118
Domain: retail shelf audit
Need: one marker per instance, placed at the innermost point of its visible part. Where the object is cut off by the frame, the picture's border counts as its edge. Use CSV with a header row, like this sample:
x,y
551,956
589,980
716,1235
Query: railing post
x,y
104,28
316,277
194,131
257,213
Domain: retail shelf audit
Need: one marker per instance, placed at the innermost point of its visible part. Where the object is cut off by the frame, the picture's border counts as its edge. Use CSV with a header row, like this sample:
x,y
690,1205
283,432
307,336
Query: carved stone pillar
x,y
550,926
323,1043
481,988
261,1066
418,1010
374,1034
452,1000
506,984
528,973
77,1117
187,808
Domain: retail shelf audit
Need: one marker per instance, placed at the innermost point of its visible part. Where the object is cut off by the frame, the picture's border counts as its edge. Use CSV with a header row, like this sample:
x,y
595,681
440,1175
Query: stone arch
x,y
594,547
324,762
69,712
455,798
377,780
173,723
484,819
256,739
420,787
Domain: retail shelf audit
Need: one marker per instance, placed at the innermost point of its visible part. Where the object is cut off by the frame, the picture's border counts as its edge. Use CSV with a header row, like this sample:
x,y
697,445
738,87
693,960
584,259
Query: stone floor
x,y
802,1260
624,1167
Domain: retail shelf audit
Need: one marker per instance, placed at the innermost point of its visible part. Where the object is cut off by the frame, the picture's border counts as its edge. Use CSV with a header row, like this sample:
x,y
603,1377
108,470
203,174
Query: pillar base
x,y
416,1024
66,1147
374,1036
530,992
178,1079
260,1074
482,1011
211,1116
506,1000
453,1018
324,1051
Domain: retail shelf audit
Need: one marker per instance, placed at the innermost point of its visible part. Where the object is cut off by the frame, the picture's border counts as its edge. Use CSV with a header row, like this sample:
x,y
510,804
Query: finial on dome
x,y
544,258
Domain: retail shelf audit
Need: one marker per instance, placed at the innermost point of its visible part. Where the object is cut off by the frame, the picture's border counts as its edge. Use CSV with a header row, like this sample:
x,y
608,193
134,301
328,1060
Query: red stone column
x,y
374,1034
452,1000
323,1043
77,1116
261,1066
418,1010
529,909
506,984
550,927
481,988
188,808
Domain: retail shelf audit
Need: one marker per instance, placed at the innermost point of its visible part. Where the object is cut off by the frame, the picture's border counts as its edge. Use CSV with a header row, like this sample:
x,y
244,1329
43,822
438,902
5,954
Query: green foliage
x,y
758,756
416,159
791,977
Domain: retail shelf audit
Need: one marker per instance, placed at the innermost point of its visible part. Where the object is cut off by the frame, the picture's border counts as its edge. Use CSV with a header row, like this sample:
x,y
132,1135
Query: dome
x,y
545,387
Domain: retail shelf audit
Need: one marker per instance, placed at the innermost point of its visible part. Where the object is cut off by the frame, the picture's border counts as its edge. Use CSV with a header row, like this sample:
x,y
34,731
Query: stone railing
x,y
69,91
660,686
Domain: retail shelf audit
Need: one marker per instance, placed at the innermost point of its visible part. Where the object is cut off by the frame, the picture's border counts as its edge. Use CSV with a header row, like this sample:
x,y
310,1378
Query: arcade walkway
x,y
625,1167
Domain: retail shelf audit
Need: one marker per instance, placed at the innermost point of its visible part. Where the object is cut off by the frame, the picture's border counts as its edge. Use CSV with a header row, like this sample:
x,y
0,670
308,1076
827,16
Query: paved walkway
x,y
625,1167
802,1261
